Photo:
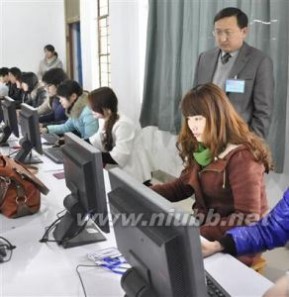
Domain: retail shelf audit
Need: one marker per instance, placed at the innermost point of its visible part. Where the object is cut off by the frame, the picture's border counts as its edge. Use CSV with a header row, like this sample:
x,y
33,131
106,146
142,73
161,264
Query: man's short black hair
x,y
242,19
4,71
69,87
54,76
16,72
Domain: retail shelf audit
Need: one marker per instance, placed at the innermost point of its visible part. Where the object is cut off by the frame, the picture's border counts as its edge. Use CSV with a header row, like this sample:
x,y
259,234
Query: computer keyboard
x,y
213,287
50,138
54,153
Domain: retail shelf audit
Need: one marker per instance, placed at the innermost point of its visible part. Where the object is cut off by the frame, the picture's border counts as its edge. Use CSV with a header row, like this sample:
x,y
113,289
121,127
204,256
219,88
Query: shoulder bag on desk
x,y
19,189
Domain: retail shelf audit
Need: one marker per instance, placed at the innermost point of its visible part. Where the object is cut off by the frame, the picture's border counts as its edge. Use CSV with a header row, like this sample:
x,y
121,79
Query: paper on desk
x,y
109,258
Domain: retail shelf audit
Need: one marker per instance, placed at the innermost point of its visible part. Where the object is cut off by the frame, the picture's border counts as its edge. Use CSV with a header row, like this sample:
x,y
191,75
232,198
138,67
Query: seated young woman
x,y
224,164
80,117
116,135
34,92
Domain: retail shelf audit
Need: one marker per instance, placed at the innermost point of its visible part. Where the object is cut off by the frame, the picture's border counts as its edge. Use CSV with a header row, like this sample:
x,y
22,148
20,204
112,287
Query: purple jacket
x,y
270,232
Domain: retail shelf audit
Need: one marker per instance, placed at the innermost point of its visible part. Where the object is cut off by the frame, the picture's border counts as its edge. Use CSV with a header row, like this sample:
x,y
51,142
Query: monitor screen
x,y
9,119
87,200
162,246
28,121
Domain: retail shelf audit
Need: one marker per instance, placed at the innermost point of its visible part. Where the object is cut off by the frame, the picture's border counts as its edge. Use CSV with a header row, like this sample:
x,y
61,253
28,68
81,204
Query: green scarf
x,y
202,155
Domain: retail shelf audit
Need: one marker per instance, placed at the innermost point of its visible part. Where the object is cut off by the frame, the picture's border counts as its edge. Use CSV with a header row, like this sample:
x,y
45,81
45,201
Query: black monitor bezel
x,y
30,114
86,212
8,106
125,188
94,200
30,132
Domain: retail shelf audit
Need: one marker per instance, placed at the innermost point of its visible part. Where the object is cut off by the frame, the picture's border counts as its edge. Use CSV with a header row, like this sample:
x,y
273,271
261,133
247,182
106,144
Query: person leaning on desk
x,y
270,232
80,117
224,165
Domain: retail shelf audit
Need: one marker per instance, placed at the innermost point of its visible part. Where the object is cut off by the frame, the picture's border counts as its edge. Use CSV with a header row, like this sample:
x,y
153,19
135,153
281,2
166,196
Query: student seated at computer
x,y
34,92
4,79
51,111
224,164
117,134
80,117
270,232
14,85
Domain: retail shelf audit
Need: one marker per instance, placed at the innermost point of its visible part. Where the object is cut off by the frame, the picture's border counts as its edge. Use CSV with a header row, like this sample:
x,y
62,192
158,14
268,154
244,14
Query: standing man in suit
x,y
243,72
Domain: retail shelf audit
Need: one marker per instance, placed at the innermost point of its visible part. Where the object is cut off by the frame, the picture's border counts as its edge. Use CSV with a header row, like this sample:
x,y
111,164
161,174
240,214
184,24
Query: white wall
x,y
89,44
128,38
26,27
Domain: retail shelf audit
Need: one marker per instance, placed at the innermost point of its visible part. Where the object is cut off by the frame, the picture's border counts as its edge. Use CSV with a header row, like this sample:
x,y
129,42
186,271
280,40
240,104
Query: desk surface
x,y
45,269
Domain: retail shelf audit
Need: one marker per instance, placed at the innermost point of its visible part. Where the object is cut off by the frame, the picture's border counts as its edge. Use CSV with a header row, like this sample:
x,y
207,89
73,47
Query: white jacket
x,y
127,149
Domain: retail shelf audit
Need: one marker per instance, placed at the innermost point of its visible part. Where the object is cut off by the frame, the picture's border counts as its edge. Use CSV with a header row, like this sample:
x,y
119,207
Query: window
x,y
103,43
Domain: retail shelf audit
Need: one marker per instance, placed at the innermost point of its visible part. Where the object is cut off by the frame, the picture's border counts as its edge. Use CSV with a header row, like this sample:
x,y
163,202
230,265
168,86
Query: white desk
x,y
45,269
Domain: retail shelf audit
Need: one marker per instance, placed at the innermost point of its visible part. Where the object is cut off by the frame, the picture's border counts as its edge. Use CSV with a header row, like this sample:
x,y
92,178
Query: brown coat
x,y
228,192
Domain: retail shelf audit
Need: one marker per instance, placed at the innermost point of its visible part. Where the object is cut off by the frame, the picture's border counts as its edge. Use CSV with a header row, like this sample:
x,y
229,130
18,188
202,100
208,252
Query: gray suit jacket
x,y
255,105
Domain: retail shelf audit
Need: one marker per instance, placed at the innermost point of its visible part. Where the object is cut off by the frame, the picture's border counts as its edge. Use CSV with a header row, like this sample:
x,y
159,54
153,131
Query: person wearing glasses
x,y
242,71
224,165
51,110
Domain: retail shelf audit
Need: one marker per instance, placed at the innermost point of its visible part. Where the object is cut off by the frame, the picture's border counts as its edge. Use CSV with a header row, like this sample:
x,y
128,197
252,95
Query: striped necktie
x,y
225,58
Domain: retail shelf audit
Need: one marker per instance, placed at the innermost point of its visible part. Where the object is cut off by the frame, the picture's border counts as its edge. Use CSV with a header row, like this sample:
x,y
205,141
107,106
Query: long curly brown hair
x,y
99,100
223,126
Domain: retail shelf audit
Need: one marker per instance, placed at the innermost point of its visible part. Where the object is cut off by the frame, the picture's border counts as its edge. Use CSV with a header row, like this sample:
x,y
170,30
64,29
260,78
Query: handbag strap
x,y
25,173
4,183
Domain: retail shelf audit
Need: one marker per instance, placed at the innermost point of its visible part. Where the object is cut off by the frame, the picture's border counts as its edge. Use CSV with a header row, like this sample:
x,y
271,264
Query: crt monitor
x,y
28,121
86,205
9,119
162,247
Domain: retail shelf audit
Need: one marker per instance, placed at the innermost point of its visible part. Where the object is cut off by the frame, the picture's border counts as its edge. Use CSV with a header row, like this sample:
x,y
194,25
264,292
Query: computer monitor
x,y
86,205
10,120
28,121
162,246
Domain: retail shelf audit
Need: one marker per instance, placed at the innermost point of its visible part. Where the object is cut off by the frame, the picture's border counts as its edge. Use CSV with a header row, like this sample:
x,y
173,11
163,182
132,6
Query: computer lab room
x,y
143,148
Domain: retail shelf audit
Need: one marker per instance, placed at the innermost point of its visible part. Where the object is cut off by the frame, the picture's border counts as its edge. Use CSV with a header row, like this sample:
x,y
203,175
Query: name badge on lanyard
x,y
235,86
